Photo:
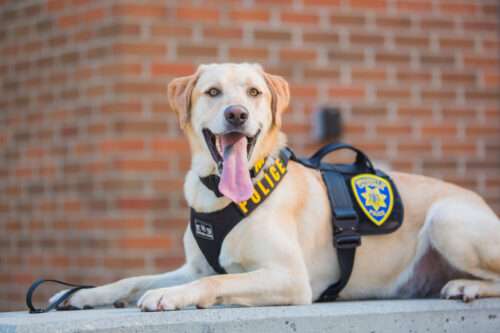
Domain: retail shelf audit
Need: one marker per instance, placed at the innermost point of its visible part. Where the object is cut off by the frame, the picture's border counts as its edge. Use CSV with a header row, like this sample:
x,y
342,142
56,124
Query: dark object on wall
x,y
327,124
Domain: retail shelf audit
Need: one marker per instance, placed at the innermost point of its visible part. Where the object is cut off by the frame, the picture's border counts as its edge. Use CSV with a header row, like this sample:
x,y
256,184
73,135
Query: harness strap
x,y
345,222
345,231
57,302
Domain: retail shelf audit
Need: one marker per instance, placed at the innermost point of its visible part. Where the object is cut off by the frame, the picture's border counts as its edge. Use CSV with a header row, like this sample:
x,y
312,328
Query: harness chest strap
x,y
210,229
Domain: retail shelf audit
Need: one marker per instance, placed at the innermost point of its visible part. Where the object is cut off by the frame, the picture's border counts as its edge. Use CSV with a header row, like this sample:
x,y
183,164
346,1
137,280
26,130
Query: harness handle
x,y
361,158
57,302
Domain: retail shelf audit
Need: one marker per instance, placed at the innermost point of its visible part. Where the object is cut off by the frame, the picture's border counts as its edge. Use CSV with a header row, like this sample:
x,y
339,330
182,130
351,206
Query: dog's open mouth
x,y
231,152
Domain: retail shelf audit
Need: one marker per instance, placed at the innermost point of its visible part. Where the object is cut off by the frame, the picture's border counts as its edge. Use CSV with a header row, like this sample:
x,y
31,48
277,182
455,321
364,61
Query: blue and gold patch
x,y
374,196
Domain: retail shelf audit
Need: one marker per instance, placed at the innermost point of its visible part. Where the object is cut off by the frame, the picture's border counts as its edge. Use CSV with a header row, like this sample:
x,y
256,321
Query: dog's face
x,y
231,114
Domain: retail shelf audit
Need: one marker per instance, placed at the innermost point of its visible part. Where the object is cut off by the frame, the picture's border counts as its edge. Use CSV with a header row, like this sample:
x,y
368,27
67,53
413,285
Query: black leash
x,y
56,303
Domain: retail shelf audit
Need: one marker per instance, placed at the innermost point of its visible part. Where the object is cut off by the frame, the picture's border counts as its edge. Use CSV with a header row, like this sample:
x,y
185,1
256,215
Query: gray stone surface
x,y
482,316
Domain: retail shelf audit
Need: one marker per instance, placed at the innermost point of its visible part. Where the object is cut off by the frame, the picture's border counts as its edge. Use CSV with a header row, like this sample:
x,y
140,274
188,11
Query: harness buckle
x,y
346,235
347,240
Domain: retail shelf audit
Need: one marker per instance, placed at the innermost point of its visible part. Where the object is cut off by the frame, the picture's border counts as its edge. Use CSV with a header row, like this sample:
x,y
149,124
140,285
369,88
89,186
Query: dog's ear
x,y
179,96
280,96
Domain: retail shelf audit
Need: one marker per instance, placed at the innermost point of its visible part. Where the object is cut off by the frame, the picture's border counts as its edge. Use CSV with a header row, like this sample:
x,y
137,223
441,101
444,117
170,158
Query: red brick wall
x,y
92,161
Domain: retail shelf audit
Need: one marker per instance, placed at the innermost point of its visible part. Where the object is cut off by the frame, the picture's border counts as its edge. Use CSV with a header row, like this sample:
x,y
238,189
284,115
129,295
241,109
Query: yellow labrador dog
x,y
282,253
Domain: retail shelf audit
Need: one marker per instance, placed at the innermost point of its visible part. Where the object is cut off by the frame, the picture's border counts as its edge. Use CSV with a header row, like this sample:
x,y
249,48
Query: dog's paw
x,y
163,299
79,300
465,290
174,298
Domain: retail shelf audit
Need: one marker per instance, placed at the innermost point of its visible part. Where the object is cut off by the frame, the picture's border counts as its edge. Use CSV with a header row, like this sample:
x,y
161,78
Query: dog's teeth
x,y
218,145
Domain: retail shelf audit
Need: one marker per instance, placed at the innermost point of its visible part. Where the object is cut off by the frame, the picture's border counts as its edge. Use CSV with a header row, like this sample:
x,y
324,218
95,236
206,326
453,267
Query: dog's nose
x,y
236,115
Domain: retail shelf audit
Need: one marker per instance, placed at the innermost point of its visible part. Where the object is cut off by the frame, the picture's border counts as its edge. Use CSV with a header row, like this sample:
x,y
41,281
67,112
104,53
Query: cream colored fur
x,y
282,253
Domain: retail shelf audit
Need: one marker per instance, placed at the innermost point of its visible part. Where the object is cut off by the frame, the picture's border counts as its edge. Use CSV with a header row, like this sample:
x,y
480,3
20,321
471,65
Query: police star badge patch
x,y
374,195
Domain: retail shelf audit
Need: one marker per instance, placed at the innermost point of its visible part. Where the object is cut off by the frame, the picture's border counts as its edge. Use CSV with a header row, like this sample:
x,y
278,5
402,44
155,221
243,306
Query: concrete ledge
x,y
367,316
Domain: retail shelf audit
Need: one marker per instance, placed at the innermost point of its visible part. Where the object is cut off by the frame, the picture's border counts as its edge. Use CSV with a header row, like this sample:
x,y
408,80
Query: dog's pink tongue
x,y
235,182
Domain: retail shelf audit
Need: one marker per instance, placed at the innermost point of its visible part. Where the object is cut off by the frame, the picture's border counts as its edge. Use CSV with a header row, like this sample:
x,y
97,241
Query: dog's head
x,y
231,114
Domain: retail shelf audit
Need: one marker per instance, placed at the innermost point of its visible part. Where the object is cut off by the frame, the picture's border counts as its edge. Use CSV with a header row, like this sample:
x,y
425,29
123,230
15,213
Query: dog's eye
x,y
254,92
213,92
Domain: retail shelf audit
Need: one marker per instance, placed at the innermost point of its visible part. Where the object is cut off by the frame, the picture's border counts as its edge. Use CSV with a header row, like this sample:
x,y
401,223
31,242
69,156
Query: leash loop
x,y
57,302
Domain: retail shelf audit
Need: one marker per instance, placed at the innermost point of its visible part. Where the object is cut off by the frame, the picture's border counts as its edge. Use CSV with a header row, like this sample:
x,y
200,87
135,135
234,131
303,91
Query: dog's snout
x,y
236,115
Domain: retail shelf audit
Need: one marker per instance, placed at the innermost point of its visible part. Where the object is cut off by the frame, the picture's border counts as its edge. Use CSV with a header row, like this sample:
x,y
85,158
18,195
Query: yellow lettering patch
x,y
264,186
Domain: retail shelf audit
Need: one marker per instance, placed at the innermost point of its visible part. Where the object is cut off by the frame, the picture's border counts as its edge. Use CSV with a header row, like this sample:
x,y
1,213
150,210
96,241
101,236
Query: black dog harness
x,y
363,201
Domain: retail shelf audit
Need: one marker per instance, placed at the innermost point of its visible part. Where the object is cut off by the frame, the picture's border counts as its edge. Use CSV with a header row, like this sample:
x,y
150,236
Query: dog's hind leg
x,y
466,232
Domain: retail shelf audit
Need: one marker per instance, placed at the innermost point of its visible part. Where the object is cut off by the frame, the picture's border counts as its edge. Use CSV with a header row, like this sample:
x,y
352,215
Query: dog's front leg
x,y
265,286
121,292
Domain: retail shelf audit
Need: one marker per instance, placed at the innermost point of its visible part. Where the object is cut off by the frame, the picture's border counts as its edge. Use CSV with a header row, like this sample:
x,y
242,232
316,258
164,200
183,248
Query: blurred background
x,y
91,158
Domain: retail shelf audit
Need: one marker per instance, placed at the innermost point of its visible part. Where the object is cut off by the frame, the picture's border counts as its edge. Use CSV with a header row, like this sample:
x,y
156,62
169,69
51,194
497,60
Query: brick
x,y
126,262
297,55
349,20
140,88
55,5
299,18
462,8
393,22
427,23
275,2
338,56
438,95
250,15
119,29
272,35
437,60
320,37
248,53
366,39
223,32
414,6
393,93
392,58
414,76
139,10
489,95
454,77
146,242
305,91
412,41
492,80
110,146
314,73
169,145
160,29
456,43
450,112
325,3
369,111
140,127
197,14
368,74
438,130
379,5
482,61
140,49
347,92
186,50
